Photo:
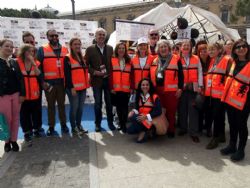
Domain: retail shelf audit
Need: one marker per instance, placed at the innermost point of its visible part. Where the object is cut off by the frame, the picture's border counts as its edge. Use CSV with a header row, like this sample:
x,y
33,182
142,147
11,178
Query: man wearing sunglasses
x,y
51,57
153,36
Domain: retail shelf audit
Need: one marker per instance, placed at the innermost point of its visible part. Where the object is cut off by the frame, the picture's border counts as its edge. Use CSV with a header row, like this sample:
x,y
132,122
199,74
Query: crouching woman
x,y
147,107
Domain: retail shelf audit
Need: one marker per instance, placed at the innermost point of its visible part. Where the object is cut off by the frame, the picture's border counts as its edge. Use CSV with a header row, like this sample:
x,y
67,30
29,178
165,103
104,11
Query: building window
x,y
114,21
102,23
248,19
224,16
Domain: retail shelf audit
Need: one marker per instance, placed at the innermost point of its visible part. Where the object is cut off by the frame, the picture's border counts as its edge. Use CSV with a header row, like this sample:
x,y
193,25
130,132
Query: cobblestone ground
x,y
50,163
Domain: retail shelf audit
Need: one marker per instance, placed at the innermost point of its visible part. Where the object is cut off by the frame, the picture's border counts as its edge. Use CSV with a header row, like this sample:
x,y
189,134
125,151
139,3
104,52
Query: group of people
x,y
198,85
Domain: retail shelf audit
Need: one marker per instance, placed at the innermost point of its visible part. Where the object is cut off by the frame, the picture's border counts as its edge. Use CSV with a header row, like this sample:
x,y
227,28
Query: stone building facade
x,y
106,16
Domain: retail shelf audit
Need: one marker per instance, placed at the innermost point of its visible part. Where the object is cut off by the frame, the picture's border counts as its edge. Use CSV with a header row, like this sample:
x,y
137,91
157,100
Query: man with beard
x,y
153,38
51,57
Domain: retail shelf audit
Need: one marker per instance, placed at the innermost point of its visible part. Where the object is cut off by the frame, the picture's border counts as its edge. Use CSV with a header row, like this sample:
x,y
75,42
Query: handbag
x,y
4,128
161,123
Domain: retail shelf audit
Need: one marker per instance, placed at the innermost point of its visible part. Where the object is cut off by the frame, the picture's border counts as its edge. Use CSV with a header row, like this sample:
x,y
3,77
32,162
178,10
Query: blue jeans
x,y
135,127
97,91
76,107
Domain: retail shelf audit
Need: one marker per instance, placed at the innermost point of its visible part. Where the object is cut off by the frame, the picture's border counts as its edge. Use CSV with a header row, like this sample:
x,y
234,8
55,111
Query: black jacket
x,y
4,69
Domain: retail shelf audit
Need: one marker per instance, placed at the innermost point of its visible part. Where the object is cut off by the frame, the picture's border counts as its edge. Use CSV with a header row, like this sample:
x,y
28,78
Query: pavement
x,y
113,160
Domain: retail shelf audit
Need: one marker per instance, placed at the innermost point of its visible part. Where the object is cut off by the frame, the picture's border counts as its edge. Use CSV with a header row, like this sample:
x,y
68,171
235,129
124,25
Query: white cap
x,y
142,40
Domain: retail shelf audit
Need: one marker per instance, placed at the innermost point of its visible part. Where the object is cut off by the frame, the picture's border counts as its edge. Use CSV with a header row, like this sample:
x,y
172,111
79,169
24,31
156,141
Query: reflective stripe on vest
x,y
170,74
146,109
237,87
215,79
140,72
32,87
79,74
53,66
120,78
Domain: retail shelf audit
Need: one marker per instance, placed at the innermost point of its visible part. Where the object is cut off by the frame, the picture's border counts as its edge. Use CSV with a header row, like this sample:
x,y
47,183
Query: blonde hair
x,y
24,48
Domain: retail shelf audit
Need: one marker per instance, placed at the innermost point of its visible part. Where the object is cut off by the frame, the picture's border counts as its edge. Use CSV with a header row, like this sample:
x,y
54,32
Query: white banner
x,y
13,28
131,31
184,33
248,35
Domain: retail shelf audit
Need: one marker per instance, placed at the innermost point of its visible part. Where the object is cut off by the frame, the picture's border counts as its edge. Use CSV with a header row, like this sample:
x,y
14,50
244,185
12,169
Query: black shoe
x,y
170,134
15,146
112,127
37,134
64,129
228,150
213,143
144,139
7,147
51,132
27,137
98,129
76,132
238,156
41,130
81,129
182,132
195,139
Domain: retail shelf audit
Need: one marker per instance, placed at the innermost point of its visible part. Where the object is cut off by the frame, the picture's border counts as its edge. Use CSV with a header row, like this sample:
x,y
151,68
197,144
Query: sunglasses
x,y
153,34
53,36
241,46
29,42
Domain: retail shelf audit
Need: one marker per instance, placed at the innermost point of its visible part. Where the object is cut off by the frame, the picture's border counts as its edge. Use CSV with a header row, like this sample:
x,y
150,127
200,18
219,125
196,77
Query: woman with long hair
x,y
147,107
12,92
31,109
215,83
76,83
120,83
237,97
167,76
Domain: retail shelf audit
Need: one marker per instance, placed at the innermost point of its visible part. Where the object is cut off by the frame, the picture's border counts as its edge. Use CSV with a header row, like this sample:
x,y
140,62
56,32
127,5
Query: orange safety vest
x,y
215,79
120,78
138,72
53,66
79,74
145,108
170,73
191,71
32,87
237,87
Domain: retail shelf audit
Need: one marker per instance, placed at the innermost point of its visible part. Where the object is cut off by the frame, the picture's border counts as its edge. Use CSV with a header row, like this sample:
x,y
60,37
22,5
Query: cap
x,y
142,40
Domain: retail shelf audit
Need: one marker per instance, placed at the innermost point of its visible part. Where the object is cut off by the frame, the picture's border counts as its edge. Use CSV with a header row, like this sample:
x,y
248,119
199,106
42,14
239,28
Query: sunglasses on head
x,y
153,34
54,35
241,46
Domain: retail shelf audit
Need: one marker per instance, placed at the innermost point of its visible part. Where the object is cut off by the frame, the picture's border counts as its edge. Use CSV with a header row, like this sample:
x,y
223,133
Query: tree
x,y
242,8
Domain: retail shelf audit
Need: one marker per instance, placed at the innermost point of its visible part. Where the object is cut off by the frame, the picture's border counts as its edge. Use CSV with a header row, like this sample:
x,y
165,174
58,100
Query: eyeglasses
x,y
53,36
153,34
241,46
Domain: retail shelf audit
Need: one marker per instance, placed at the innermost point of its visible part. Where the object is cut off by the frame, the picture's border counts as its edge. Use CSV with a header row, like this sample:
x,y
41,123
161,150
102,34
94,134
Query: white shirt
x,y
142,61
101,48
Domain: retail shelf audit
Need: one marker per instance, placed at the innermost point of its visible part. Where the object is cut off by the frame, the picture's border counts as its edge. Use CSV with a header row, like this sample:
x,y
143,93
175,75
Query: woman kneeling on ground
x,y
147,107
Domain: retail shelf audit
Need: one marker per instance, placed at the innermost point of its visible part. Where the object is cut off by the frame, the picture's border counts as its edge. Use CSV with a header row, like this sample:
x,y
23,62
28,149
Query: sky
x,y
61,5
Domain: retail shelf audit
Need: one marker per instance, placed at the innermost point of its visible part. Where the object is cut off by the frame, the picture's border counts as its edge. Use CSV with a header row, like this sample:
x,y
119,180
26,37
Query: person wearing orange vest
x,y
120,83
193,82
147,107
214,86
153,38
205,113
51,58
76,84
236,95
140,63
31,107
167,76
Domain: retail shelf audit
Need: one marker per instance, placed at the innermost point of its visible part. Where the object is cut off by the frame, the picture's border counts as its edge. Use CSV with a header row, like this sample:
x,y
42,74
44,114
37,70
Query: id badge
x,y
209,83
58,63
159,75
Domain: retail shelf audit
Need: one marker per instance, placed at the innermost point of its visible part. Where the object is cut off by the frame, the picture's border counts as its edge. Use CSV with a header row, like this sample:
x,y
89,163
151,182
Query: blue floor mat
x,y
88,120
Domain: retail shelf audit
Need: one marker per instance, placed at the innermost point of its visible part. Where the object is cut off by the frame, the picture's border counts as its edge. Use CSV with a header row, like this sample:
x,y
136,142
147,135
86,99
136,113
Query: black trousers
x,y
206,116
30,114
218,111
238,126
121,100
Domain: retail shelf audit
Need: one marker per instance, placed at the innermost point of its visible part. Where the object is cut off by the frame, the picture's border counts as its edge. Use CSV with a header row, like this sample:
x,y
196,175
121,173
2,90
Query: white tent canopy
x,y
165,19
